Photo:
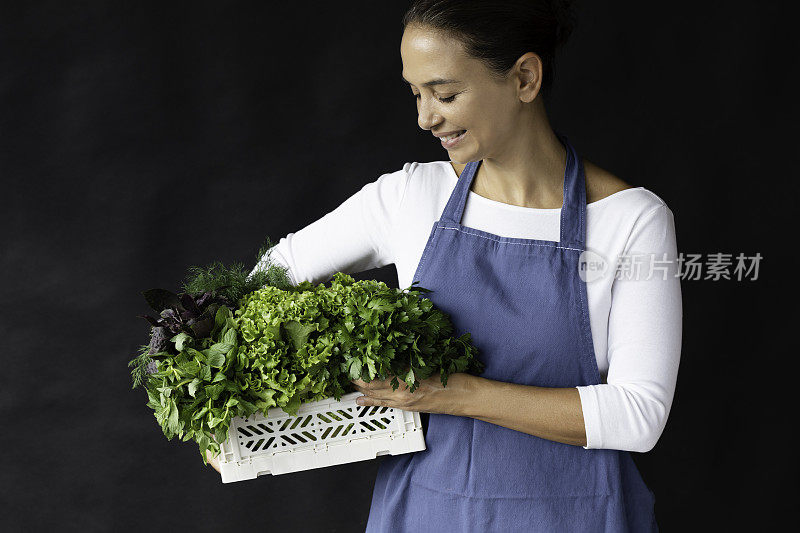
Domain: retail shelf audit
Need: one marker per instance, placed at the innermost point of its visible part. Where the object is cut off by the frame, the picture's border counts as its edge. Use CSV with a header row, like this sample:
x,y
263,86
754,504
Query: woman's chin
x,y
461,157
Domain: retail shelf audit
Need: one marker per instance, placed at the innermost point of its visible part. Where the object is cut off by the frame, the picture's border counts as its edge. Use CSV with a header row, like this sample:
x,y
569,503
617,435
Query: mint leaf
x,y
215,359
180,340
193,387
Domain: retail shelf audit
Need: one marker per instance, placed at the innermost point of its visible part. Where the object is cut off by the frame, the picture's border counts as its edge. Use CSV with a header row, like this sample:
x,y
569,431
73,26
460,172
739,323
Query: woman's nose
x,y
426,117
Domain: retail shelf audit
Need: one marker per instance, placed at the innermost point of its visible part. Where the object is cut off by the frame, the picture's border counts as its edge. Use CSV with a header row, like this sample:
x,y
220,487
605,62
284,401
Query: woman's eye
x,y
444,100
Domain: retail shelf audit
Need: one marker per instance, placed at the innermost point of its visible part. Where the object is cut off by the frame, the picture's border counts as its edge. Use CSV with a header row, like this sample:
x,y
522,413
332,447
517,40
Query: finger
x,y
366,400
380,384
213,461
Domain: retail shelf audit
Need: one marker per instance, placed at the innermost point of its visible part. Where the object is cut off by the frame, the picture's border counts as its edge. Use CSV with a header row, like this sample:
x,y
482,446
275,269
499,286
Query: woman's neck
x,y
529,172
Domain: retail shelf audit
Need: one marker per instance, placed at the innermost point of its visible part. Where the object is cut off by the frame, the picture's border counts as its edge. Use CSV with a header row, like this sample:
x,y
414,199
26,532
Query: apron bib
x,y
525,305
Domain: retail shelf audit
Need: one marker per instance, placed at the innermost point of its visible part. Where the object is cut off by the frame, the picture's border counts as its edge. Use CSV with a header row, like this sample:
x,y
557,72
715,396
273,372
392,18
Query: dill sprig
x,y
139,365
235,281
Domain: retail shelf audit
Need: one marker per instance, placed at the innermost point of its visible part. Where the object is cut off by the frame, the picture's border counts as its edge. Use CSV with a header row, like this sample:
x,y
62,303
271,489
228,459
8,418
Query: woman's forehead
x,y
429,59
420,40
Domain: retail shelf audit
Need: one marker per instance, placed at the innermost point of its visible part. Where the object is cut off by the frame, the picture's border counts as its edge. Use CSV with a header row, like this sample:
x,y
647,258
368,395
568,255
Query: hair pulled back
x,y
500,31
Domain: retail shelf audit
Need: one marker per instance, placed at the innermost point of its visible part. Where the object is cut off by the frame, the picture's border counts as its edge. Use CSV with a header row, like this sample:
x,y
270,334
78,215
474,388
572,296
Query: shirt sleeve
x,y
630,410
354,237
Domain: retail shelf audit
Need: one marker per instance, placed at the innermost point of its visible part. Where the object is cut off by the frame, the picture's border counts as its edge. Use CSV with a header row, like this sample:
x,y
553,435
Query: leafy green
x,y
309,343
195,392
283,346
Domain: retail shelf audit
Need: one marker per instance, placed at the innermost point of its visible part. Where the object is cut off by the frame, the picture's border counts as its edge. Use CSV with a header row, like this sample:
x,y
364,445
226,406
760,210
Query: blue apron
x,y
525,305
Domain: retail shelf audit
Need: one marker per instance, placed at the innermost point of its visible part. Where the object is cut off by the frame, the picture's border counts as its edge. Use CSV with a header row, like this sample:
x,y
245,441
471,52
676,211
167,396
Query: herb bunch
x,y
234,282
271,344
193,311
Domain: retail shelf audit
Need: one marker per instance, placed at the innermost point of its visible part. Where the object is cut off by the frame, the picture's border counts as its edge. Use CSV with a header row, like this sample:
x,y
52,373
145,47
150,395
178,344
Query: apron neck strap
x,y
573,210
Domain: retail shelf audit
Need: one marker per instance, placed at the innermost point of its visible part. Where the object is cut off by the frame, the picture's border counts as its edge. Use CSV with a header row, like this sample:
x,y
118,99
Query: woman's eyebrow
x,y
436,81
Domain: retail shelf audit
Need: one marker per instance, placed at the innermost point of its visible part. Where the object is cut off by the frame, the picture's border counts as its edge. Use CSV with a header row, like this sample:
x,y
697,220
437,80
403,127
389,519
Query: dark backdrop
x,y
139,138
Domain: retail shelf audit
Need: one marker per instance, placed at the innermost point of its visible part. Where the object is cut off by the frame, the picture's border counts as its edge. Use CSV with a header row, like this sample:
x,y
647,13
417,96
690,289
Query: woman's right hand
x,y
213,461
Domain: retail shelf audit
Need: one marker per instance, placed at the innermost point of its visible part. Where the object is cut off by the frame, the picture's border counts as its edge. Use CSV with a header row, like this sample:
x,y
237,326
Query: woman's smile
x,y
451,140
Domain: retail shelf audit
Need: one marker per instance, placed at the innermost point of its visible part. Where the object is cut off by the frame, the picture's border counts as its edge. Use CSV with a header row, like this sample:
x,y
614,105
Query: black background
x,y
137,139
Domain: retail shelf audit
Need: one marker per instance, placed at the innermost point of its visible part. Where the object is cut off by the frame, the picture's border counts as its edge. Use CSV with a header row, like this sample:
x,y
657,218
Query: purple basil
x,y
193,315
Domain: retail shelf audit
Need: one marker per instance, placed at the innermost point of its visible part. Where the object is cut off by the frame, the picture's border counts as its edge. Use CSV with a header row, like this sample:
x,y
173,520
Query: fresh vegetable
x,y
196,392
234,282
234,349
351,330
193,311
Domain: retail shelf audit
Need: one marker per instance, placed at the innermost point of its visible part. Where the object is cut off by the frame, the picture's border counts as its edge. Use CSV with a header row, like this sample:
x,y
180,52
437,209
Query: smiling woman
x,y
578,372
484,99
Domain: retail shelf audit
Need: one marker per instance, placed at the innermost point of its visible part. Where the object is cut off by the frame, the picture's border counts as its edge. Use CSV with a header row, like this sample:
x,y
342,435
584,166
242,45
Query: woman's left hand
x,y
429,397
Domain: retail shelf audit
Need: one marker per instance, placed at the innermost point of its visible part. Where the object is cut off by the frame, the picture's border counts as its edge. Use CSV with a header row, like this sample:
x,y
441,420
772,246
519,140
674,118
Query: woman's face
x,y
464,96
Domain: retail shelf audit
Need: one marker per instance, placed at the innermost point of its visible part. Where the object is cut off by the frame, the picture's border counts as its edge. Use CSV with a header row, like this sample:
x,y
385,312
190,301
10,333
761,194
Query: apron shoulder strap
x,y
573,210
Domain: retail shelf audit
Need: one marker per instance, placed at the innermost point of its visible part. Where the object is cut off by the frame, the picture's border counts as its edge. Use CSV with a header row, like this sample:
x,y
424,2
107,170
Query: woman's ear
x,y
528,71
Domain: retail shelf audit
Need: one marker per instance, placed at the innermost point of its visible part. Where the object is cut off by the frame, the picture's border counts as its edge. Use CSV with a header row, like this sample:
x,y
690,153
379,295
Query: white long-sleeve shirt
x,y
636,323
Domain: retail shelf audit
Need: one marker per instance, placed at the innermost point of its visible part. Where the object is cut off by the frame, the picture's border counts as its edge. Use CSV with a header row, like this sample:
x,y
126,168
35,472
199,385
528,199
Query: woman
x,y
580,369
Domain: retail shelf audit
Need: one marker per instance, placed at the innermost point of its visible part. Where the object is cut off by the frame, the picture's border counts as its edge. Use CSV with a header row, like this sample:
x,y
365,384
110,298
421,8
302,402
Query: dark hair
x,y
500,31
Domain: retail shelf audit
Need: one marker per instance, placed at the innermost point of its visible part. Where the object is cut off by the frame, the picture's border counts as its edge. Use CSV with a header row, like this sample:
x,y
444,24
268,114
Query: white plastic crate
x,y
323,433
